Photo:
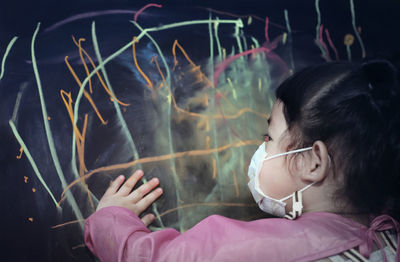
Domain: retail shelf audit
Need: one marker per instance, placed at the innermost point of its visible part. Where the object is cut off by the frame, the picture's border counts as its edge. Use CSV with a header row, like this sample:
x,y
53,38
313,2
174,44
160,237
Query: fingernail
x,y
140,172
155,180
121,177
159,190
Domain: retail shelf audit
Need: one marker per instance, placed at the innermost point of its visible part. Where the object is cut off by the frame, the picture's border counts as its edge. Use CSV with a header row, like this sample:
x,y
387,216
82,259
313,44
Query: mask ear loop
x,y
297,207
329,163
297,196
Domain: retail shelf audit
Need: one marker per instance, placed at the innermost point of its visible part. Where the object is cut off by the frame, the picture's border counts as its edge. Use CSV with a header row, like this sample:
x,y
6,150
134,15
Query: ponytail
x,y
355,110
383,79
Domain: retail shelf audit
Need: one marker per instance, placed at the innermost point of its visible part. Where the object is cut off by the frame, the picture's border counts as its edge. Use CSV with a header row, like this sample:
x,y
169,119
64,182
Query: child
x,y
330,165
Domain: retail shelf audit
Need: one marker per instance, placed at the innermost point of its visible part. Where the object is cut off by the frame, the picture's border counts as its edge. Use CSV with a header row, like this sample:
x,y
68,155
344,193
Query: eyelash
x,y
267,138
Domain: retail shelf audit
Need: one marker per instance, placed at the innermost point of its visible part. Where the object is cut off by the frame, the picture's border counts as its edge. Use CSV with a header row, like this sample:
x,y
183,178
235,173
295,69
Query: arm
x,y
117,234
116,218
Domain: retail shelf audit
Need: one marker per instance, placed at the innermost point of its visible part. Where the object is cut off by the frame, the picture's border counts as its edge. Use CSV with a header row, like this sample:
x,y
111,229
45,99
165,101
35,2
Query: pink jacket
x,y
117,234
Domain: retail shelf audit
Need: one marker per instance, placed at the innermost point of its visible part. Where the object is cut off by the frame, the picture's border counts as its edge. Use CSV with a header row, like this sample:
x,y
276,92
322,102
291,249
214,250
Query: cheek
x,y
275,179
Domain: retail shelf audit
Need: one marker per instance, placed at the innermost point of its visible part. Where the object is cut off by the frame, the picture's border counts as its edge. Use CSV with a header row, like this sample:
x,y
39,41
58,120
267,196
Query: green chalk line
x,y
289,29
216,25
324,55
49,135
319,19
353,21
31,161
3,62
128,45
348,51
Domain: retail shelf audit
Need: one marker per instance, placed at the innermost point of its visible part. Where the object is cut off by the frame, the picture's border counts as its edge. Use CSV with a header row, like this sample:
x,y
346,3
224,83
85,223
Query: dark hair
x,y
354,109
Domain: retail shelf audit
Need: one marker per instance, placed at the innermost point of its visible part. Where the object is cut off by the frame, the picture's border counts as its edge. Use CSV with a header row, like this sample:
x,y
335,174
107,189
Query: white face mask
x,y
268,204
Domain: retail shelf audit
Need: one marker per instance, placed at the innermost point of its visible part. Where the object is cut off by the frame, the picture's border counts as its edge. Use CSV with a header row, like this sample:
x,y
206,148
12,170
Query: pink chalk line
x,y
321,41
331,44
143,8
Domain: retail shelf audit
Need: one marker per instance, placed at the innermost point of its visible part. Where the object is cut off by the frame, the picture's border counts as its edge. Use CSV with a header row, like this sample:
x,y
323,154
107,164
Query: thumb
x,y
148,219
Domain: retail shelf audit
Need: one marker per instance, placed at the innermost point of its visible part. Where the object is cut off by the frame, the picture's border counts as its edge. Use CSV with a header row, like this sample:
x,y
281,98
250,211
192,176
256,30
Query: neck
x,y
361,218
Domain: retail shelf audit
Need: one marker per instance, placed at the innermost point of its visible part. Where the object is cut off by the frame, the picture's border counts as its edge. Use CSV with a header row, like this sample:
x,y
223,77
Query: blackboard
x,y
181,90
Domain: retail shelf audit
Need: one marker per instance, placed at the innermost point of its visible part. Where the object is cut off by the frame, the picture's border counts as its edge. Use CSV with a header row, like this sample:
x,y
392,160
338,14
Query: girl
x,y
329,169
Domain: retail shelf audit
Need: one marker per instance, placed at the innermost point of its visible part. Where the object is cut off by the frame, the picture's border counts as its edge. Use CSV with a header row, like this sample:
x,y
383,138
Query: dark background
x,y
379,19
24,241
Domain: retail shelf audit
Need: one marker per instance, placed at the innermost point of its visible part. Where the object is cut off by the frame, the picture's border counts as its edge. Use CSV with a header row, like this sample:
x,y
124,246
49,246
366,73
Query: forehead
x,y
276,121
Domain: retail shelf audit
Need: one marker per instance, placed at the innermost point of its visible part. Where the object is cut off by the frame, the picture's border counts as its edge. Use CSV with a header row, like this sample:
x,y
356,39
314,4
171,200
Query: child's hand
x,y
137,201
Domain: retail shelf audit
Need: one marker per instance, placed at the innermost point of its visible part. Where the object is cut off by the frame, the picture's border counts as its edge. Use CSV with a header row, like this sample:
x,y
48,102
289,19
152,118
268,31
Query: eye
x,y
267,137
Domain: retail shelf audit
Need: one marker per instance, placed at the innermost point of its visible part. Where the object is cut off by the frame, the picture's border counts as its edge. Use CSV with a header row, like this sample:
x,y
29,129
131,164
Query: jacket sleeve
x,y
117,234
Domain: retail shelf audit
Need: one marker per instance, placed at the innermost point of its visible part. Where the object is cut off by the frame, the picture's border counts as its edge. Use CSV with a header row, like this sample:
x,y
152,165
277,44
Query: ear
x,y
319,163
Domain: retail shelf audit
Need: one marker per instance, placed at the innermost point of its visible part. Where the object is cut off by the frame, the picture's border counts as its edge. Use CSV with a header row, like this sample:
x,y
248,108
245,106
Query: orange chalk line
x,y
205,204
68,105
159,69
157,159
80,142
88,97
68,223
97,72
90,197
83,142
206,100
83,60
197,114
236,183
21,150
174,209
215,116
80,145
214,165
226,99
78,246
177,108
176,44
149,83
78,136
195,67
82,167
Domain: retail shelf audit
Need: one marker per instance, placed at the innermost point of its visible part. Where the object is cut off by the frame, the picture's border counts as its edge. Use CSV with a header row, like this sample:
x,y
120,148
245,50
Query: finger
x,y
148,200
130,183
114,185
144,189
148,219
